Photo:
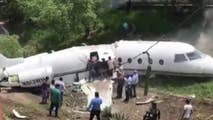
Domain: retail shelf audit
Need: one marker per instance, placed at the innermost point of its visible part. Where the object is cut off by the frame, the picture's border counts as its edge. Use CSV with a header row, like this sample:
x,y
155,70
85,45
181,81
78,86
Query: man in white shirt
x,y
110,66
187,110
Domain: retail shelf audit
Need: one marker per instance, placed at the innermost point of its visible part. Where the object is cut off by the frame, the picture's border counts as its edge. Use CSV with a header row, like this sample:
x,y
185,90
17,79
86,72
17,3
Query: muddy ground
x,y
74,107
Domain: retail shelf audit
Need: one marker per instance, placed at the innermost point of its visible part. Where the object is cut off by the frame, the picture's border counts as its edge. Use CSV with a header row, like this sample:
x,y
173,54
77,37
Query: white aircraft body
x,y
167,58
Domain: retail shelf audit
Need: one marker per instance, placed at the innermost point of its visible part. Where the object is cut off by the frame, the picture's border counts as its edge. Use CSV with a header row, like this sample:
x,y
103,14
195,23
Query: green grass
x,y
201,87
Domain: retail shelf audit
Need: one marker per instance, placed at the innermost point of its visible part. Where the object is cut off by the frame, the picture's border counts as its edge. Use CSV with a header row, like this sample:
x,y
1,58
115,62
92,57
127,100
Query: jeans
x,y
52,105
128,92
95,113
134,90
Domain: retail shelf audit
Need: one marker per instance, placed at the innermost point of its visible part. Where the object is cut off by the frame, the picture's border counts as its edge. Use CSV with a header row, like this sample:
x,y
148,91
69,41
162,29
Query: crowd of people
x,y
54,90
102,69
128,82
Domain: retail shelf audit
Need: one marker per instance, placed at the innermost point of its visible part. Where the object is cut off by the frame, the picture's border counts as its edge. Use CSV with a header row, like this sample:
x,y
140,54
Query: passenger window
x,y
161,62
140,61
180,58
129,60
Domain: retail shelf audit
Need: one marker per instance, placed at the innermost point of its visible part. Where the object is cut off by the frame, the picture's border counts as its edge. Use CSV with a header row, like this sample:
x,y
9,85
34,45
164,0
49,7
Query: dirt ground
x,y
74,107
171,107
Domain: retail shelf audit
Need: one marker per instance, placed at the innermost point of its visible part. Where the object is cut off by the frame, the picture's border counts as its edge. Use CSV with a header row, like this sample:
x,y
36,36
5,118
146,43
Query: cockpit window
x,y
180,58
193,55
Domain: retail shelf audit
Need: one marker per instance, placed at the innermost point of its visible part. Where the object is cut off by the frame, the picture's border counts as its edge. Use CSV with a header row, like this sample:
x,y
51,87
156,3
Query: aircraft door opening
x,y
94,56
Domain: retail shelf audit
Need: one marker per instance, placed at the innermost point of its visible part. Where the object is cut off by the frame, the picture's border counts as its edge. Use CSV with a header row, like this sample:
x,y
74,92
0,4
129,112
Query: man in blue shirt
x,y
95,107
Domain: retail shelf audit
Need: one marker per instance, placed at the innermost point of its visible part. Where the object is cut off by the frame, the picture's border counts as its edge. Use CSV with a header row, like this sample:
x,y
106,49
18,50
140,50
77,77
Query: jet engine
x,y
31,78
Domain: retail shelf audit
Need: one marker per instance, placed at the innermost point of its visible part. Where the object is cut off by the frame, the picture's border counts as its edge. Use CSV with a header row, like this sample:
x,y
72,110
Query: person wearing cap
x,y
187,110
153,113
135,79
95,107
55,100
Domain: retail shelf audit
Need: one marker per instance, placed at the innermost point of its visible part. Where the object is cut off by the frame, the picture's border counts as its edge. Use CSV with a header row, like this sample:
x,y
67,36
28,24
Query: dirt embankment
x,y
74,107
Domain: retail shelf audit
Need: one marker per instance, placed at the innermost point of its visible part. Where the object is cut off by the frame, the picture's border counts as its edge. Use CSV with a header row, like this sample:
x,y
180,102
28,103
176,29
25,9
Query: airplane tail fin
x,y
6,62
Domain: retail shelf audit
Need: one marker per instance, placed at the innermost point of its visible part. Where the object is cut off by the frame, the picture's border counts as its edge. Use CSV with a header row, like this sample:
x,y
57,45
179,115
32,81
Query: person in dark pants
x,y
135,79
62,88
95,107
45,91
120,84
55,100
128,81
153,113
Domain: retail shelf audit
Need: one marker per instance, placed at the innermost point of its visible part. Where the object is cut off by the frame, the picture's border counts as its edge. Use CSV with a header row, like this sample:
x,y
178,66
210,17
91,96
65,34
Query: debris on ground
x,y
17,115
75,106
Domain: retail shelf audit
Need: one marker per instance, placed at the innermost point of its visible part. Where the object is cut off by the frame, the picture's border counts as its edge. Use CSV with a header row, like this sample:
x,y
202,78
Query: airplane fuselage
x,y
173,58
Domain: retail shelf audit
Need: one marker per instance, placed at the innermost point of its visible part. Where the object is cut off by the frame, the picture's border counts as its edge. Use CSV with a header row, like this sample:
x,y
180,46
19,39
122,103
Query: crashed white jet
x,y
166,58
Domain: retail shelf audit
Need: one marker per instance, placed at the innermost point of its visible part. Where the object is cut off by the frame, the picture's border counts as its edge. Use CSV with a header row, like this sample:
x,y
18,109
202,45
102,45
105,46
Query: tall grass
x,y
201,87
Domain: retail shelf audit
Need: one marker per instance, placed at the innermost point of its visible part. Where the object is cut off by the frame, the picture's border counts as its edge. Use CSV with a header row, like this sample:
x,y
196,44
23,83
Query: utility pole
x,y
148,74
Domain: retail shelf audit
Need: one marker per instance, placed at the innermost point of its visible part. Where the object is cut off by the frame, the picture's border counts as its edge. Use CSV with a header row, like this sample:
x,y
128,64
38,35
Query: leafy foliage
x,y
9,46
119,116
106,114
59,23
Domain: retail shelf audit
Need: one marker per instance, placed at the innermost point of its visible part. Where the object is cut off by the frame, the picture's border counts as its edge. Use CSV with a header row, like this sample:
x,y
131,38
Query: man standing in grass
x,y
55,100
187,110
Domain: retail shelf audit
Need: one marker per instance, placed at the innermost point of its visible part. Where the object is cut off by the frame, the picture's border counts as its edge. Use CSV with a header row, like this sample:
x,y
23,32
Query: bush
x,y
9,46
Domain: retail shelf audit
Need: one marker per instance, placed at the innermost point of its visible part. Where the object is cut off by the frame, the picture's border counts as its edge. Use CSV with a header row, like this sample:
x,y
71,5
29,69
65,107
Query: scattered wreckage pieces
x,y
149,100
17,115
105,89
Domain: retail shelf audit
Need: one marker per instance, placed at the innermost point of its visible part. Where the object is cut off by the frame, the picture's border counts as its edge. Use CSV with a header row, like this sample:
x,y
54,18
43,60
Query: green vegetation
x,y
10,46
201,87
119,116
57,24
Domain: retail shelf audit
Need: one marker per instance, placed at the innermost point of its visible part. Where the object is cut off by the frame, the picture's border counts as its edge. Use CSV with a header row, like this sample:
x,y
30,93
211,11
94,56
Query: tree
x,y
59,23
